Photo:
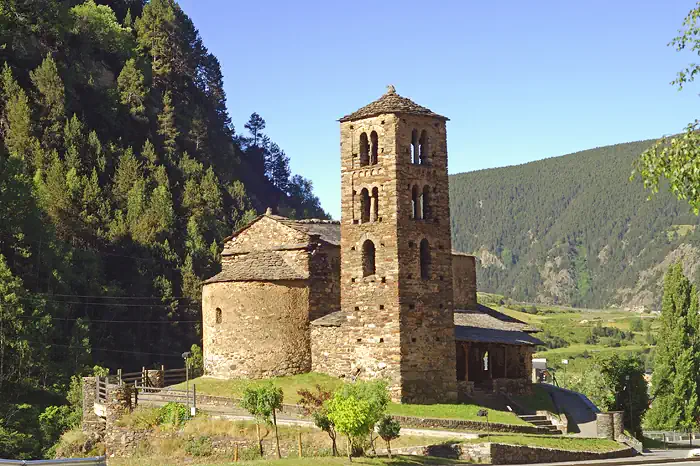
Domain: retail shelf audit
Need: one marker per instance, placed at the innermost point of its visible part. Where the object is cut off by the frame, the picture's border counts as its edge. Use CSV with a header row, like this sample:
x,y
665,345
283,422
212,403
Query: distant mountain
x,y
573,230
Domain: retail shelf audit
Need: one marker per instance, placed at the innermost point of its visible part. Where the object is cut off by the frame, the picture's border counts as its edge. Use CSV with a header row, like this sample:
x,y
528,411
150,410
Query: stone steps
x,y
540,421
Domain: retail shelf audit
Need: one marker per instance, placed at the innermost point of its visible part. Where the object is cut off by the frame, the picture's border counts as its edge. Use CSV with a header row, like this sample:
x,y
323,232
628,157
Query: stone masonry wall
x,y
324,269
464,281
92,425
263,235
371,334
263,330
428,353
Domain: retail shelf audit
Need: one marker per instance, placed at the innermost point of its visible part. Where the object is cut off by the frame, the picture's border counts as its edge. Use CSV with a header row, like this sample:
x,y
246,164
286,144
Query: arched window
x,y
368,267
218,315
364,206
414,146
374,154
423,148
424,260
425,202
375,204
415,203
364,150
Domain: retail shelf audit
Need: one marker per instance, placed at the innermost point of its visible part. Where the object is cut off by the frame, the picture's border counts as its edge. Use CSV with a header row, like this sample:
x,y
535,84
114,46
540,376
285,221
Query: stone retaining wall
x,y
408,421
499,453
517,454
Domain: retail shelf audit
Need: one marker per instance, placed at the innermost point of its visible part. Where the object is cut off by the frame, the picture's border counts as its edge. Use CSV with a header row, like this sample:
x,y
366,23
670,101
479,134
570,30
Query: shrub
x,y
388,429
174,414
199,446
355,409
196,361
75,444
636,324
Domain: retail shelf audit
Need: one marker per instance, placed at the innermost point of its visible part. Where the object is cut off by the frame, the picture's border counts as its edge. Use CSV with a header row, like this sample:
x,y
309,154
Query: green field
x,y
574,332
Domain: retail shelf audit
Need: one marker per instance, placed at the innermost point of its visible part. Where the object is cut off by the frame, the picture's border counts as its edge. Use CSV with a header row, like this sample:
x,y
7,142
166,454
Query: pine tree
x,y
155,34
132,91
16,120
51,97
675,381
167,128
255,125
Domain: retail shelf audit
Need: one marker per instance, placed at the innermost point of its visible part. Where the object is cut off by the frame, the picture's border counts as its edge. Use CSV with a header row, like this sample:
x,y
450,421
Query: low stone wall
x,y
499,453
517,454
461,424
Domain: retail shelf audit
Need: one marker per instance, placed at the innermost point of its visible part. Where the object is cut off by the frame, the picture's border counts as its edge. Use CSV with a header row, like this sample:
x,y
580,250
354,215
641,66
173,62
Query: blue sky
x,y
520,81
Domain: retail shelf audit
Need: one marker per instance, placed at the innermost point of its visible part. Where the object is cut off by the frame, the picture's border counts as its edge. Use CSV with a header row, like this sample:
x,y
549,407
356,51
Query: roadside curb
x,y
628,461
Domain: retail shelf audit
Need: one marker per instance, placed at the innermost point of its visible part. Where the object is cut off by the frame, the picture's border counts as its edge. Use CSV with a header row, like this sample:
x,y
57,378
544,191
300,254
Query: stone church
x,y
379,294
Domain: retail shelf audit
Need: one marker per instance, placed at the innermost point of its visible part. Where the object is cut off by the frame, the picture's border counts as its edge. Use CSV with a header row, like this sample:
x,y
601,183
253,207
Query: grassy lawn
x,y
559,442
292,384
458,411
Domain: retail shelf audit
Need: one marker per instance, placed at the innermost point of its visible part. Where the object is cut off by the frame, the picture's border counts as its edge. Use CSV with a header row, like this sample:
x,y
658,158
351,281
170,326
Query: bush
x,y
636,324
75,444
53,421
553,341
196,361
388,429
199,446
174,414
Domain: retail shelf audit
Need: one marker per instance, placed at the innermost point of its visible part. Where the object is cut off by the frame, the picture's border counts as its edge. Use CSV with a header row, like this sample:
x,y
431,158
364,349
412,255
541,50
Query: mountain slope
x,y
572,229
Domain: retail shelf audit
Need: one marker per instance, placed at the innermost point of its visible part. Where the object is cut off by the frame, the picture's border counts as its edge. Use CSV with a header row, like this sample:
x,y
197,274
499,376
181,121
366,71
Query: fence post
x,y
144,376
119,375
300,451
97,388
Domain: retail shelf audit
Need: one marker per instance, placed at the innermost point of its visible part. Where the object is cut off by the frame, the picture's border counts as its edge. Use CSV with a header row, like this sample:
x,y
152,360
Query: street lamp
x,y
186,356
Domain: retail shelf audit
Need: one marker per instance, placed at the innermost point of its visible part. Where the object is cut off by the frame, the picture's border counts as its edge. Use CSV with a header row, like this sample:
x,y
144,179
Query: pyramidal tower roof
x,y
391,102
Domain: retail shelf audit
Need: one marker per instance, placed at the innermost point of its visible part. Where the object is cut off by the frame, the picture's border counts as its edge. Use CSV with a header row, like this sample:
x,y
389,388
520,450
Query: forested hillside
x,y
120,170
573,230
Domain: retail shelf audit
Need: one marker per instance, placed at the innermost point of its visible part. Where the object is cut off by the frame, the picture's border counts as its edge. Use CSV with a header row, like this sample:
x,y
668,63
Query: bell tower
x,y
396,250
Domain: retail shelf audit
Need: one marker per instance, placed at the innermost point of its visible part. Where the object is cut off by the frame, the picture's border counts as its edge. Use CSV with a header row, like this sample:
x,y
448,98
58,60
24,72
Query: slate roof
x,y
328,230
484,325
391,102
485,317
492,335
259,266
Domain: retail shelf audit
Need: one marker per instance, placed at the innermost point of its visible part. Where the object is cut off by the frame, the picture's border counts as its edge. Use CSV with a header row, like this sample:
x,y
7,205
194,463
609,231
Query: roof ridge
x,y
391,102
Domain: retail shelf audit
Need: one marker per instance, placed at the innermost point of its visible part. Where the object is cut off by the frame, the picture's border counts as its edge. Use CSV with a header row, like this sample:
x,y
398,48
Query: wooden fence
x,y
150,377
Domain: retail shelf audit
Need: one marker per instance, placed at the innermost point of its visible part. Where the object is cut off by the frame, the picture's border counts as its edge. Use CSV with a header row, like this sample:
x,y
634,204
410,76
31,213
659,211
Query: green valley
x,y
573,230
